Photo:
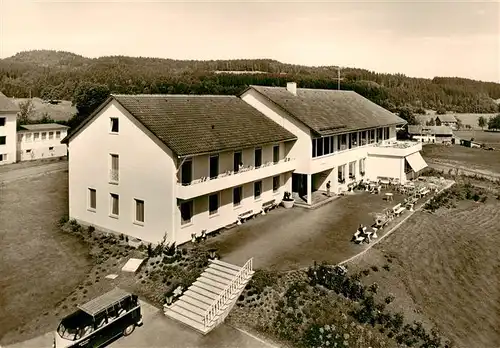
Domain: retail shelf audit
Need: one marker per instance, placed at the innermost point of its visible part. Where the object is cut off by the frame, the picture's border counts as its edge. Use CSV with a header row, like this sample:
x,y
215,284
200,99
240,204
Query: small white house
x,y
431,134
37,141
8,124
150,165
342,137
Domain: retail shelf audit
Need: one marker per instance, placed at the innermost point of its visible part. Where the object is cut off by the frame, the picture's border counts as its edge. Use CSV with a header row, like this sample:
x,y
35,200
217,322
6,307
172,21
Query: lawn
x,y
445,270
40,264
60,112
463,157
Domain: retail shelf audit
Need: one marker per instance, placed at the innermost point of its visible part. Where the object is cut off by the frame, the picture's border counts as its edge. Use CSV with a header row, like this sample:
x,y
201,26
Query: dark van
x,y
99,321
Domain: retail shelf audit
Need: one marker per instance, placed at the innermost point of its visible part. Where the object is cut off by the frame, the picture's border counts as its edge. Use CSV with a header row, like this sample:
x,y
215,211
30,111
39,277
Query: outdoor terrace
x,y
395,148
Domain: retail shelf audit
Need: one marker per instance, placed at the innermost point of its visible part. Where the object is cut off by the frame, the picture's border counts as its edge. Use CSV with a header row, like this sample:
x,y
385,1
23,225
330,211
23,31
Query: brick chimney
x,y
291,87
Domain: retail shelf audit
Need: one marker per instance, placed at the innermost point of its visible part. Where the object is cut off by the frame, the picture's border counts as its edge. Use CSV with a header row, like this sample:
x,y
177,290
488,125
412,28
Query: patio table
x,y
389,196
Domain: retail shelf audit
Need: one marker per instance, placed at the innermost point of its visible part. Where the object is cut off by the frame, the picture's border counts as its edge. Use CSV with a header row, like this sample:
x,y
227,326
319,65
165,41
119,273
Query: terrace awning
x,y
417,163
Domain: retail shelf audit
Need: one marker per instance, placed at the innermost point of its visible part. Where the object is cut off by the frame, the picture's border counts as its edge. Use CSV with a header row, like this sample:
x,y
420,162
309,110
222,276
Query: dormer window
x,y
114,124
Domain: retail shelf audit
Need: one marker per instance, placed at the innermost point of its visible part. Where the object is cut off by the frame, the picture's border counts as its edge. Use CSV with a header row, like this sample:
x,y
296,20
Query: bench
x,y
398,209
244,216
266,206
356,238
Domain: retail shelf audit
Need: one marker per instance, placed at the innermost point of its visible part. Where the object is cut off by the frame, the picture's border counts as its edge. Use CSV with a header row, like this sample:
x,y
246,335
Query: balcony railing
x,y
113,175
241,170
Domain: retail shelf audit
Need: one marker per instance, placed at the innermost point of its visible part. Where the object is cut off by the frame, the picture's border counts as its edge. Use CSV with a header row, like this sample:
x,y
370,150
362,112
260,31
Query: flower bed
x,y
325,307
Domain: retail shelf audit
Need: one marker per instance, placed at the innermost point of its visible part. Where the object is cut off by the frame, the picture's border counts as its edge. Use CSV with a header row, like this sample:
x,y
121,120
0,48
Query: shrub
x,y
373,288
366,272
90,229
262,279
63,220
386,267
374,268
170,249
389,299
150,250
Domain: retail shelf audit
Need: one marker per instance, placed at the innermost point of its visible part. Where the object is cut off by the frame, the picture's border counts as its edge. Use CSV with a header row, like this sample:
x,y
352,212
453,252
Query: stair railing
x,y
228,292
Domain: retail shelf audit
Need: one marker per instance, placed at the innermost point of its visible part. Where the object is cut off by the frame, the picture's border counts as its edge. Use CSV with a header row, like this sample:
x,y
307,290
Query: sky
x,y
421,39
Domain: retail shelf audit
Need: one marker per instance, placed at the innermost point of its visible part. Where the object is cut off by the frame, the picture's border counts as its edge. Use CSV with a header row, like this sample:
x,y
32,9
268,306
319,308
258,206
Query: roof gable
x,y
6,105
446,118
195,124
330,111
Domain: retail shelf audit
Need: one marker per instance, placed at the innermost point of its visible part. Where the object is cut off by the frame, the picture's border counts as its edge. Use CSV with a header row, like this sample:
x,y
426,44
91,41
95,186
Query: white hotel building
x,y
150,165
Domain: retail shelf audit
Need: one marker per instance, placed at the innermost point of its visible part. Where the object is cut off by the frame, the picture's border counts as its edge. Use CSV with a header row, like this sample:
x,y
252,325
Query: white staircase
x,y
208,301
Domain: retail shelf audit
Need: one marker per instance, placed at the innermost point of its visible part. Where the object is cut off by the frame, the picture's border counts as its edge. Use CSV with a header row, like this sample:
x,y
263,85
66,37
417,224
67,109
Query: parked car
x,y
99,321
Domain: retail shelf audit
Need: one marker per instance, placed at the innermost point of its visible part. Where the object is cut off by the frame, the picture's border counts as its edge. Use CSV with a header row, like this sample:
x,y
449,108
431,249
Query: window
x,y
258,157
20,137
51,148
3,157
237,161
362,166
28,137
326,146
36,136
363,138
187,172
58,134
92,199
51,135
276,183
237,195
28,151
186,212
379,134
341,173
214,166
114,124
354,140
386,133
44,135
257,189
352,170
319,147
276,153
343,142
3,140
372,136
139,210
213,204
114,168
115,204
2,121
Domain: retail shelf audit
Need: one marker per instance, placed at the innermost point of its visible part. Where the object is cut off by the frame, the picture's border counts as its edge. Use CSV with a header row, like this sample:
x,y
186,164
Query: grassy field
x,y
60,112
488,138
463,157
40,264
467,119
445,271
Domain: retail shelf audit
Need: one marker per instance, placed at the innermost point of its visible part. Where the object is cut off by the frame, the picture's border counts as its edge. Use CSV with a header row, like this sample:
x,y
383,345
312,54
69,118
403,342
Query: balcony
x,y
229,179
395,148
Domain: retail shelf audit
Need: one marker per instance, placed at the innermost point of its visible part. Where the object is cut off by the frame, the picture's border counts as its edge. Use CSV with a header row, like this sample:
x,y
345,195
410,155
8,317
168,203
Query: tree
x,y
431,122
45,118
407,115
482,122
88,96
26,113
441,111
494,122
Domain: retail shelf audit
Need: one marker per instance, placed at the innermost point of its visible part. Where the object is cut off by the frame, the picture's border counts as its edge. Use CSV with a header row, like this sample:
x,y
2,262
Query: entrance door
x,y
237,161
299,184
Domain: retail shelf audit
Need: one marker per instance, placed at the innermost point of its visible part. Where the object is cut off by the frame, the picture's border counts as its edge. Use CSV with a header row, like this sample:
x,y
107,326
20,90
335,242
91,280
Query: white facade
x,y
110,172
39,144
349,156
8,124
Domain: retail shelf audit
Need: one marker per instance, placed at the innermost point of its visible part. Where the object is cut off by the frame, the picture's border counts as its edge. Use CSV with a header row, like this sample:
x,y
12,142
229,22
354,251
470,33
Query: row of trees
x,y
58,75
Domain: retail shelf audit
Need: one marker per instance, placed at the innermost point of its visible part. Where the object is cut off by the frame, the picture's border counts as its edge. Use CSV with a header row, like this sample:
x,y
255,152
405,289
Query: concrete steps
x,y
191,307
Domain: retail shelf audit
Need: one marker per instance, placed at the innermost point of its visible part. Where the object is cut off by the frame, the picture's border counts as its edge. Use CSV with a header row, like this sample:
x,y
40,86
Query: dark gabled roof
x,y
330,111
6,105
43,126
446,118
100,303
196,124
436,130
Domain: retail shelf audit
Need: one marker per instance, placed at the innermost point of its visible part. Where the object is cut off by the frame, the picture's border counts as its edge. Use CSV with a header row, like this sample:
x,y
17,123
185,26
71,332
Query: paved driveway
x,y
160,331
291,239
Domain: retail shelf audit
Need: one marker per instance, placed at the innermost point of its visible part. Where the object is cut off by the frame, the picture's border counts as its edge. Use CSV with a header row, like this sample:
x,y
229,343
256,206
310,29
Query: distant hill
x,y
56,75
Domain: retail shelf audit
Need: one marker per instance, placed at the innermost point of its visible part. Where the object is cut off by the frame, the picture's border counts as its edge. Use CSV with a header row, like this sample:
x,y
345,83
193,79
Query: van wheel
x,y
128,330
